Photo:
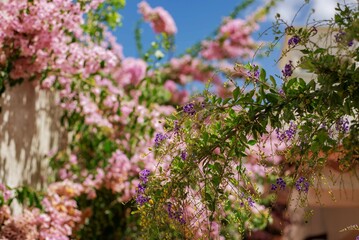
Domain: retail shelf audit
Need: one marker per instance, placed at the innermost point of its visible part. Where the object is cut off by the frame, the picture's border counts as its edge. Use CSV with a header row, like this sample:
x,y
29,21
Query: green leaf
x,y
225,101
236,93
347,107
272,98
251,142
272,79
262,75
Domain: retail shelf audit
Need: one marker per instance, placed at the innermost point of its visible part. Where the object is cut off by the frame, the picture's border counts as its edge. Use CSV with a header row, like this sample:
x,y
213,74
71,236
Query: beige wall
x,y
29,129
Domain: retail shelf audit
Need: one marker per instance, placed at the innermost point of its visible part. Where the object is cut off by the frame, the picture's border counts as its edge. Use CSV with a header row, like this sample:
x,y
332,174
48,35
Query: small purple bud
x,y
293,41
184,155
250,202
288,70
144,175
302,185
342,125
140,199
159,138
189,108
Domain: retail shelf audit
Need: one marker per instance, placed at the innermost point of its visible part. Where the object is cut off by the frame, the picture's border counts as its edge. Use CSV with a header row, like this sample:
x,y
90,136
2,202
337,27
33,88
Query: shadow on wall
x,y
29,129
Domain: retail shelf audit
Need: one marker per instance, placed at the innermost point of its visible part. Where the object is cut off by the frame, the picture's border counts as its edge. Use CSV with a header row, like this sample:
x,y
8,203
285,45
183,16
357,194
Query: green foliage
x,y
106,13
219,135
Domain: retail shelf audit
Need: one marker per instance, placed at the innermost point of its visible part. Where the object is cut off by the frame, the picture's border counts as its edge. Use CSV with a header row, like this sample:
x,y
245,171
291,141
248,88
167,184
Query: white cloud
x,y
287,9
324,9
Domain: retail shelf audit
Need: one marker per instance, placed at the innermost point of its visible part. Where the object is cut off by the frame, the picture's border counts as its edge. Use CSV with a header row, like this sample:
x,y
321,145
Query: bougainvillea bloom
x,y
161,21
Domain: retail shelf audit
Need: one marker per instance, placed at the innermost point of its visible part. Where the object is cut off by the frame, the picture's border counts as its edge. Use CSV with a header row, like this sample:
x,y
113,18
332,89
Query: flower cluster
x,y
288,69
57,221
183,155
342,125
287,134
176,215
341,36
161,21
5,192
131,72
189,109
21,227
279,183
234,40
250,201
37,36
160,137
254,74
187,68
293,41
302,185
141,198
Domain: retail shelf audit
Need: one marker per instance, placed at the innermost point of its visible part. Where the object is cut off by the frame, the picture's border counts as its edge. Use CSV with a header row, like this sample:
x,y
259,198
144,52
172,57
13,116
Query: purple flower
x,y
291,131
342,125
176,126
293,41
144,175
281,183
323,126
288,69
287,134
280,136
184,155
169,210
141,188
159,138
189,108
281,93
180,218
340,36
250,202
254,73
141,199
178,215
302,185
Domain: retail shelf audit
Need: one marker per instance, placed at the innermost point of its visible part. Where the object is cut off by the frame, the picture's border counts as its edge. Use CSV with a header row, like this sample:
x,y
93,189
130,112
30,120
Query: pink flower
x,y
132,71
170,86
161,21
212,50
187,68
21,227
238,31
117,172
5,192
234,40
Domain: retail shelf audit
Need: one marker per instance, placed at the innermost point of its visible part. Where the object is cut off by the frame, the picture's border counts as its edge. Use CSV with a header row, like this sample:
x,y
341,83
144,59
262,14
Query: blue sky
x,y
196,19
